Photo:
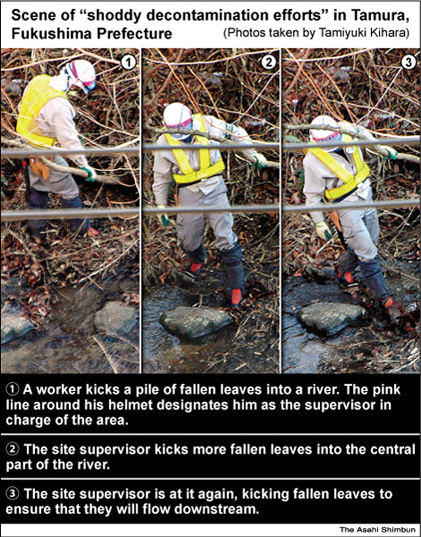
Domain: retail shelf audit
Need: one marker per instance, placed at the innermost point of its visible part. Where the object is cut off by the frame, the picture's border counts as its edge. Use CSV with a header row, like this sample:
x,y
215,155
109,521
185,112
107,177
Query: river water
x,y
165,353
303,351
68,341
306,352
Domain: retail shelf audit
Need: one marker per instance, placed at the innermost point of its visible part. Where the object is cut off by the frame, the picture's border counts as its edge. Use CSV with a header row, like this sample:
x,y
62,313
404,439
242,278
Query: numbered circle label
x,y
409,61
269,62
12,449
12,493
12,389
128,62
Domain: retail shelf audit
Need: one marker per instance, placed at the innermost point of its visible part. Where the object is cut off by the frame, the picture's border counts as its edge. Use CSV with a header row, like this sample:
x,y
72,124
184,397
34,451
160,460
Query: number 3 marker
x,y
409,61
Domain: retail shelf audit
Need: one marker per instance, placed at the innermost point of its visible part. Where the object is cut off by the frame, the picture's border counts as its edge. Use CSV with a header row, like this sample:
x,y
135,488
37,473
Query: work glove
x,y
92,173
163,217
323,231
259,159
391,151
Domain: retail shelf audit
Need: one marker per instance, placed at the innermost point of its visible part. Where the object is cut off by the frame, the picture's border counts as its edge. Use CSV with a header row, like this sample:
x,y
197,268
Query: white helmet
x,y
324,136
177,115
80,73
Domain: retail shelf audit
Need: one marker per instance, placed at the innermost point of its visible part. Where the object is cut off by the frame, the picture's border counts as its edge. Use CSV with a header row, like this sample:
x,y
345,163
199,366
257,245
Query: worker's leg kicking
x,y
227,244
361,232
360,241
190,232
76,224
191,229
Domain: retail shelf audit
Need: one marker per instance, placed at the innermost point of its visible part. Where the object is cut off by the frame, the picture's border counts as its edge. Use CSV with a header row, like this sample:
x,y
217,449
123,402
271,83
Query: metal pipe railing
x,y
9,216
21,153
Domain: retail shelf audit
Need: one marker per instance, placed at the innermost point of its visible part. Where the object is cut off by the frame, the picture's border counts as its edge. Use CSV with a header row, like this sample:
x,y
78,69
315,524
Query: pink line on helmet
x,y
73,68
331,138
181,125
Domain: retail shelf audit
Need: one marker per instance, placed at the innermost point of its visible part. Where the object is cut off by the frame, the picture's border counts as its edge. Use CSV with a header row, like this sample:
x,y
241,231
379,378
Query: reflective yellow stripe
x,y
332,164
215,169
206,168
342,190
180,155
356,156
36,96
204,154
350,181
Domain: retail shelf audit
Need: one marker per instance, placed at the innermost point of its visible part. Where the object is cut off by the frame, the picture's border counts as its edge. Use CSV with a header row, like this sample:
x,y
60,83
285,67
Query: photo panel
x,y
350,291
211,279
70,286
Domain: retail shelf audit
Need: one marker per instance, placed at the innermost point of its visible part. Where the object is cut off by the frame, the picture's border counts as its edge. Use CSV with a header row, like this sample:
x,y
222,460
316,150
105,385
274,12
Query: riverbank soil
x,y
368,89
60,284
231,85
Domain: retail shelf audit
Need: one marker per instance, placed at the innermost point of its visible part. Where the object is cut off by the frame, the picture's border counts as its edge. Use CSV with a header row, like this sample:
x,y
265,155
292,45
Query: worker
x,y
199,183
46,118
340,174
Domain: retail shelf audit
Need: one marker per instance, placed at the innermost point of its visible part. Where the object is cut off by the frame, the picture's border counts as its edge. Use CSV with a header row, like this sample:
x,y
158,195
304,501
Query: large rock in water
x,y
13,326
329,318
116,318
194,322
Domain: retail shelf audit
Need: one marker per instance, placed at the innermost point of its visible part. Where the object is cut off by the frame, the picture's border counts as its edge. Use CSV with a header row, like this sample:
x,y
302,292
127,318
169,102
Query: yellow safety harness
x,y
36,96
190,176
350,181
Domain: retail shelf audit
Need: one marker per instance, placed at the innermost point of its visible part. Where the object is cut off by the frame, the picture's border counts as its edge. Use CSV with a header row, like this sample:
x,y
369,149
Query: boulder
x,y
329,318
14,326
116,318
194,322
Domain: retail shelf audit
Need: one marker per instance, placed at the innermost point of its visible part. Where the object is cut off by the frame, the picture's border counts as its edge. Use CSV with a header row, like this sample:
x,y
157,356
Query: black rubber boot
x,y
373,275
234,271
198,255
198,259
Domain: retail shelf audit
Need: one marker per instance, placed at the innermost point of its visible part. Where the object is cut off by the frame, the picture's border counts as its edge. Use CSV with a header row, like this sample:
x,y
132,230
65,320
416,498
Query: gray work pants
x,y
191,230
191,226
361,232
59,183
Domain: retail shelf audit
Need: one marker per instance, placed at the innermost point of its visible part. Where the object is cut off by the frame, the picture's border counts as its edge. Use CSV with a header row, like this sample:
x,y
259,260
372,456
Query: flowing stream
x,y
165,353
68,341
306,352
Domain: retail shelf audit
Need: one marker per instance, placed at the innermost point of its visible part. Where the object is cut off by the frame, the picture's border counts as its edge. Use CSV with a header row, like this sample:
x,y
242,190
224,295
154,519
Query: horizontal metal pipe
x,y
21,153
344,205
407,140
9,216
54,214
220,147
232,209
285,208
